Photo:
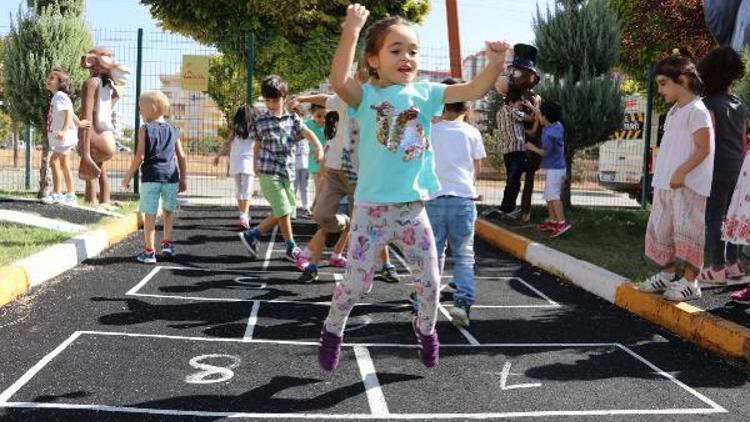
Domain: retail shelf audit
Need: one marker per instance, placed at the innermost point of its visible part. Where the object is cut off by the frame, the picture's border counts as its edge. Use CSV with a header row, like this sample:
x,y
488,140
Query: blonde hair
x,y
157,99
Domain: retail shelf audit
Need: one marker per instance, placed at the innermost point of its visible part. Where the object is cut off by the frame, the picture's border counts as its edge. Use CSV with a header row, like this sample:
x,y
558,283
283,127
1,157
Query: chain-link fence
x,y
606,175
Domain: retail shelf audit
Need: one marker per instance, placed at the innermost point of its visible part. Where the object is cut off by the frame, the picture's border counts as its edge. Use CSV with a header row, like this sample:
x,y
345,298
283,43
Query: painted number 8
x,y
211,374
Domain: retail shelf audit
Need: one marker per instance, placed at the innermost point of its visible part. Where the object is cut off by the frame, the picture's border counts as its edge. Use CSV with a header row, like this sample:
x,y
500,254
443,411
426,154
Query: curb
x,y
690,322
18,277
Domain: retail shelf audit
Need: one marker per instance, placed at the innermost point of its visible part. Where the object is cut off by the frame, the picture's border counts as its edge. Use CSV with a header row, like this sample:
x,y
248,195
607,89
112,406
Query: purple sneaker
x,y
338,262
329,352
429,346
741,296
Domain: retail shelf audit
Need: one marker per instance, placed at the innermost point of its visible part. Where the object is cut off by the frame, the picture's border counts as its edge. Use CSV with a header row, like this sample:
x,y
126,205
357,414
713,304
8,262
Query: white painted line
x,y
539,293
668,376
34,220
218,270
251,321
469,337
375,397
357,416
269,251
399,257
715,408
145,280
8,393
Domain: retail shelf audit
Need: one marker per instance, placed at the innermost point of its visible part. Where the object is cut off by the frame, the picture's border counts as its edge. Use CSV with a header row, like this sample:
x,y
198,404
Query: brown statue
x,y
96,145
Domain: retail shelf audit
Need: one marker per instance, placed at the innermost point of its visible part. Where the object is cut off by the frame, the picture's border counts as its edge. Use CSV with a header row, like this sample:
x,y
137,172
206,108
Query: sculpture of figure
x,y
729,22
96,145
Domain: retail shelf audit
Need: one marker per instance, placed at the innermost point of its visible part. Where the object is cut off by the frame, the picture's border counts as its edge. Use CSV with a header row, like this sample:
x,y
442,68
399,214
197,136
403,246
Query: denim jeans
x,y
452,219
514,166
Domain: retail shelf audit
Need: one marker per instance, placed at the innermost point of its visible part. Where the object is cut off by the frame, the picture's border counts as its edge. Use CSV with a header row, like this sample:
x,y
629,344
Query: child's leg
x,y
559,211
54,164
360,272
385,256
149,231
440,213
314,249
67,173
418,244
461,237
104,186
341,243
90,191
285,224
689,230
168,221
169,205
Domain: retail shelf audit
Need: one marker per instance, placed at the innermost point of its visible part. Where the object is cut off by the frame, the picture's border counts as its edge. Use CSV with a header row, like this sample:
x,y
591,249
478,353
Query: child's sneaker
x,y
683,290
741,296
547,226
147,257
429,346
329,352
388,274
712,276
735,270
657,283
53,198
292,254
309,274
560,228
68,198
250,240
168,249
337,261
244,222
301,261
460,315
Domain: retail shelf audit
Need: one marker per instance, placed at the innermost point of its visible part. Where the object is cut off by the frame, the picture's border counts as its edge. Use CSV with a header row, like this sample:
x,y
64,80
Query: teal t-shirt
x,y
313,165
396,162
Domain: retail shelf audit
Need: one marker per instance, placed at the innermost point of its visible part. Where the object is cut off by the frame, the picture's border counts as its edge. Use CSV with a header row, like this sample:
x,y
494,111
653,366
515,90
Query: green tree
x,y
652,30
226,83
295,38
570,37
742,88
40,38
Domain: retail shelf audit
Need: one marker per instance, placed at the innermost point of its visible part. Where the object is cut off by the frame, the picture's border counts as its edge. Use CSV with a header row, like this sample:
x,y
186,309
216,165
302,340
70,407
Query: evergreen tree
x,y
578,45
49,33
742,88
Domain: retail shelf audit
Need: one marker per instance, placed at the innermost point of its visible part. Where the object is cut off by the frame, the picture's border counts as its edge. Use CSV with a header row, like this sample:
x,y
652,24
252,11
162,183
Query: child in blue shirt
x,y
396,170
163,165
553,161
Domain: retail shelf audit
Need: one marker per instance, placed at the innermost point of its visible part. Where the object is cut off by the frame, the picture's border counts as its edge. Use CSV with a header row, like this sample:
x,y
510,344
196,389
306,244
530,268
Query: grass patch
x,y
18,241
610,238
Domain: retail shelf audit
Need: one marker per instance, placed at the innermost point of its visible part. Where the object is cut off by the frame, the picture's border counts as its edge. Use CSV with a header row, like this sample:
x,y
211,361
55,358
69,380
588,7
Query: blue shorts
x,y
151,192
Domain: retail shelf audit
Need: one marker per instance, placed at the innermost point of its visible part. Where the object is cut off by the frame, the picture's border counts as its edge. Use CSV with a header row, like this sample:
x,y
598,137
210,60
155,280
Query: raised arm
x,y
496,52
344,85
317,99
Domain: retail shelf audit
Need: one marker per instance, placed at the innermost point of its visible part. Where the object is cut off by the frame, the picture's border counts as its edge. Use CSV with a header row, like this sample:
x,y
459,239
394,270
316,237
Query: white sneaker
x,y
657,283
460,316
683,290
68,198
53,198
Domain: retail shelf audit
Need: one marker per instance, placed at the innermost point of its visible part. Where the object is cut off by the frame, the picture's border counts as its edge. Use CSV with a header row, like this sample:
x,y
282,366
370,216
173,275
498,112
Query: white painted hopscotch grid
x,y
368,374
136,290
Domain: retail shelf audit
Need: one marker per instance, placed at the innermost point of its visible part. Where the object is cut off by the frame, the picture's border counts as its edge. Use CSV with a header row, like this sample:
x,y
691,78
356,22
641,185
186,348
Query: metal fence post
x,y
27,178
250,43
646,180
138,78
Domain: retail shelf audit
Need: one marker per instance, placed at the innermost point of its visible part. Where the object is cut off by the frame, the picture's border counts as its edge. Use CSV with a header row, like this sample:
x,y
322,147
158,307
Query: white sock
x,y
667,276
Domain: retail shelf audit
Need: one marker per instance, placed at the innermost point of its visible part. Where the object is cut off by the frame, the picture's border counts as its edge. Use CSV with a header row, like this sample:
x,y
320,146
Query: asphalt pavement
x,y
213,335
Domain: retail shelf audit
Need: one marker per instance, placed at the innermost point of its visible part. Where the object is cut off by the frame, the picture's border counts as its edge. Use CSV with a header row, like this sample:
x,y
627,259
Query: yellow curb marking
x,y
503,239
14,281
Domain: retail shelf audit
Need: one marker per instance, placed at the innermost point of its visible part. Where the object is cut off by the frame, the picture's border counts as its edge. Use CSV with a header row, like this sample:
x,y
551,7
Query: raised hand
x,y
497,51
356,16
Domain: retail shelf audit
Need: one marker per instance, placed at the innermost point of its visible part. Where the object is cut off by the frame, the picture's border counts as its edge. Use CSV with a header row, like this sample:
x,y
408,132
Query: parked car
x,y
122,147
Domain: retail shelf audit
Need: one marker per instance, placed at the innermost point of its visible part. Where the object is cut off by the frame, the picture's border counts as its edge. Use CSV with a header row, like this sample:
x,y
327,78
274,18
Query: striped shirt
x,y
277,136
510,131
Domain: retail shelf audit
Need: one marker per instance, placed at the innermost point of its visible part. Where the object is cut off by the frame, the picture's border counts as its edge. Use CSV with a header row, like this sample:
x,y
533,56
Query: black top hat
x,y
524,57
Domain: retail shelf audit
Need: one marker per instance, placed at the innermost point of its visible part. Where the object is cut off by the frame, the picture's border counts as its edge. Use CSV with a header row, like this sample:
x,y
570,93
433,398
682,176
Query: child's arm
x,y
256,156
533,148
313,140
477,169
474,90
181,164
343,84
318,99
702,141
224,150
81,123
140,151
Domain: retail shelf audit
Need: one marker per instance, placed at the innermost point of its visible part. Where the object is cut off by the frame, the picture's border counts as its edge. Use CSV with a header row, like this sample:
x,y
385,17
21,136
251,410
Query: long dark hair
x,y
332,119
243,119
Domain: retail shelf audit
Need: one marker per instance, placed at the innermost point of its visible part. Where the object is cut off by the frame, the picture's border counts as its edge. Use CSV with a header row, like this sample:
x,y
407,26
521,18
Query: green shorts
x,y
280,194
151,192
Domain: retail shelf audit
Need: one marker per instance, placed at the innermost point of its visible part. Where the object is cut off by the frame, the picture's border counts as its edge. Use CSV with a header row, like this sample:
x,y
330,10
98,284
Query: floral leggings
x,y
372,228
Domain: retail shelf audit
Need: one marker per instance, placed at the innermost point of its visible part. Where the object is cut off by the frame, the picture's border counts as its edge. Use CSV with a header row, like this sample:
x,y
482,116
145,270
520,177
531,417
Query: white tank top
x,y
103,109
241,156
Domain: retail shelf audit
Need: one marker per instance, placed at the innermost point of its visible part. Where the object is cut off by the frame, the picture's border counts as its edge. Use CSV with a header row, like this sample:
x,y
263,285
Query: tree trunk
x,y
15,144
45,174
